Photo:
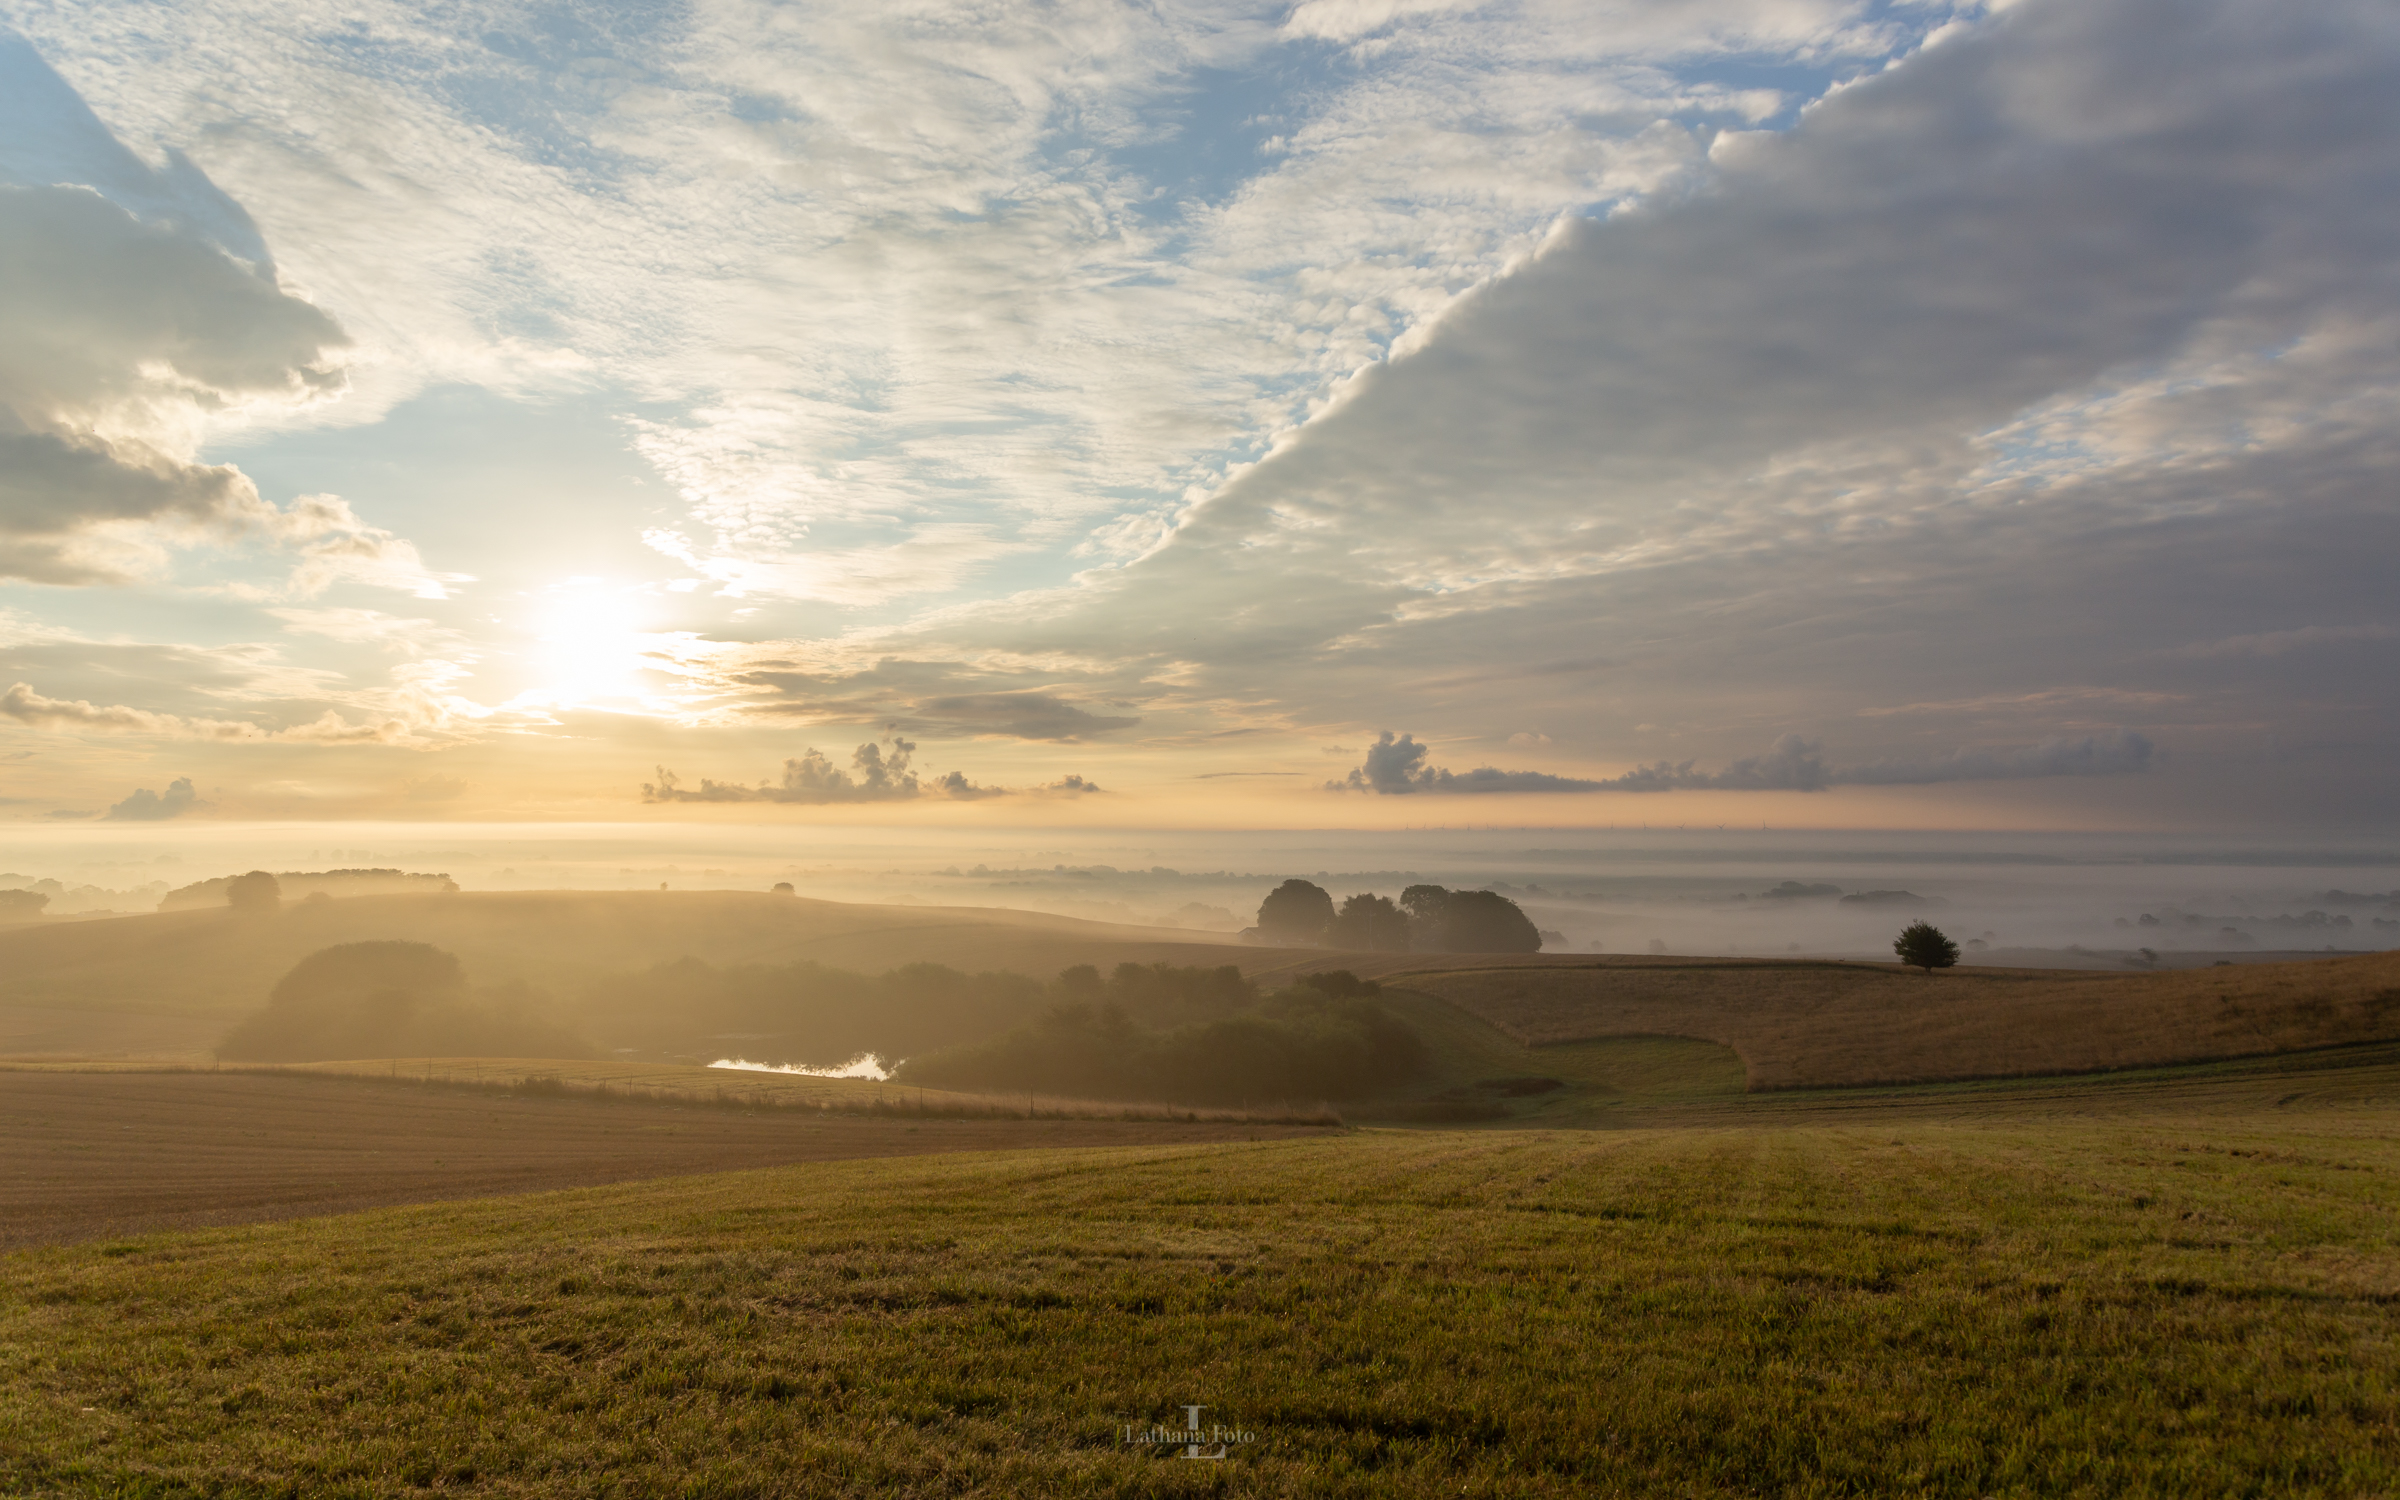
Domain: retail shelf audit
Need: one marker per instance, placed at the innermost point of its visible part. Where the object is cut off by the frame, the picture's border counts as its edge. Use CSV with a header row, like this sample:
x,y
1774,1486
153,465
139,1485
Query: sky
x,y
1372,414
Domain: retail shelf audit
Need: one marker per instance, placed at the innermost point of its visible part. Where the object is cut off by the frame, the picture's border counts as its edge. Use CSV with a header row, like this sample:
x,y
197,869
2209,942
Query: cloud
x,y
144,308
2266,645
955,785
146,806
21,703
1022,715
2033,359
2122,753
874,776
1396,767
120,340
911,696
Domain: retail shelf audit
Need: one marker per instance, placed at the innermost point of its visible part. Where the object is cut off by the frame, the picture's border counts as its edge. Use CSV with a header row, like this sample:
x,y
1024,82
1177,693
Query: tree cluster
x,y
1426,919
1321,1040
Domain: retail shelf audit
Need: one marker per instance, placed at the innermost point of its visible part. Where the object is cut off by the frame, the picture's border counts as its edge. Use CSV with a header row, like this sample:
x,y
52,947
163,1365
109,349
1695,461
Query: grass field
x,y
1815,1024
2179,1282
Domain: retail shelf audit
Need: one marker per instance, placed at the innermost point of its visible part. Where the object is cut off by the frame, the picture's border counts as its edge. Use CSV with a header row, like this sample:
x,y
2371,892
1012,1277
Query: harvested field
x,y
1810,1024
89,1155
693,1084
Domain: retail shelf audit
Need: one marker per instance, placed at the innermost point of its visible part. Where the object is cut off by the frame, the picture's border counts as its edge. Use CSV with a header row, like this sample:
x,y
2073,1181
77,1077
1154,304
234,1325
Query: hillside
x,y
1811,1024
170,983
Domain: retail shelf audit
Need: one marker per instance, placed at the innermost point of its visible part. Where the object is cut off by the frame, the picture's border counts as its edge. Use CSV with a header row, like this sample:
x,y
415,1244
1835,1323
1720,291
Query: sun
x,y
590,643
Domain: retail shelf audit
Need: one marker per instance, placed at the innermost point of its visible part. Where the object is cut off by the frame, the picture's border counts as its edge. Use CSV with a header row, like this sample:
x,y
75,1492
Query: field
x,y
1620,1238
1815,1024
169,986
2174,1283
91,1154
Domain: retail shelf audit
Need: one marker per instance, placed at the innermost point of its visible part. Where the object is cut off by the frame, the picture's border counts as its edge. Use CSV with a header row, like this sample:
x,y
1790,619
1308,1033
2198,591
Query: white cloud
x,y
880,274
2022,362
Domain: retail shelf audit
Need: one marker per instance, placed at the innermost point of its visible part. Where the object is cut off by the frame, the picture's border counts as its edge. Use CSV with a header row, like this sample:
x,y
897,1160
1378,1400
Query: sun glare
x,y
589,644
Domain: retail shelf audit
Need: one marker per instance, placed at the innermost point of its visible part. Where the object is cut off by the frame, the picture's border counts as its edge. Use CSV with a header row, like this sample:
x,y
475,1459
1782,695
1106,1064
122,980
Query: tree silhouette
x,y
257,891
1487,922
1925,946
1296,911
1371,923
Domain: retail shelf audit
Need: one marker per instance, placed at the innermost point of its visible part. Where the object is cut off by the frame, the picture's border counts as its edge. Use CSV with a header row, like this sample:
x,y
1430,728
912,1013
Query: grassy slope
x,y
1818,1024
2110,1287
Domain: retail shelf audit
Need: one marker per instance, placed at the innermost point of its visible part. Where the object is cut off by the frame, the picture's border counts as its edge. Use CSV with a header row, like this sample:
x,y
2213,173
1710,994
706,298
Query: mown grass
x,y
2193,1297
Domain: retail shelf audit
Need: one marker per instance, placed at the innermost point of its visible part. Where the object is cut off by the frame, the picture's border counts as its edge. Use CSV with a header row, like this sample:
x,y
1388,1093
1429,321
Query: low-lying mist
x,y
2021,897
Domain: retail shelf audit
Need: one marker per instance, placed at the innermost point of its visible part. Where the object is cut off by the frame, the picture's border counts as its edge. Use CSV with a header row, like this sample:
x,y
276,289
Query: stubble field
x,y
89,1155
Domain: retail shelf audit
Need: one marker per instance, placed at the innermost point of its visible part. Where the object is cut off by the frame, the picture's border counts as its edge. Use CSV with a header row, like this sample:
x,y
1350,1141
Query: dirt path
x,y
93,1155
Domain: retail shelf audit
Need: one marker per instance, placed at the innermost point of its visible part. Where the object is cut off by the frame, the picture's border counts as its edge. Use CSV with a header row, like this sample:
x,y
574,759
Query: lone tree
x,y
1296,912
1925,946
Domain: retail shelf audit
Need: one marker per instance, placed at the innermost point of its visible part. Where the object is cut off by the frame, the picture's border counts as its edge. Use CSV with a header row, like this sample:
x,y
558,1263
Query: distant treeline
x,y
1329,1038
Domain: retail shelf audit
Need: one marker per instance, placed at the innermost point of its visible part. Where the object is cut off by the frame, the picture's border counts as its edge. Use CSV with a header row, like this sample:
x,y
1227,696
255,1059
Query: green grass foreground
x,y
2166,1304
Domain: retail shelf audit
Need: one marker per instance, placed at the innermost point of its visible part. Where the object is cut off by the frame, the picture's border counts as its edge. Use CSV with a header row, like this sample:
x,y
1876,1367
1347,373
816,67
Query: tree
x,y
1925,946
1371,923
1296,911
1425,905
257,891
21,906
1487,922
